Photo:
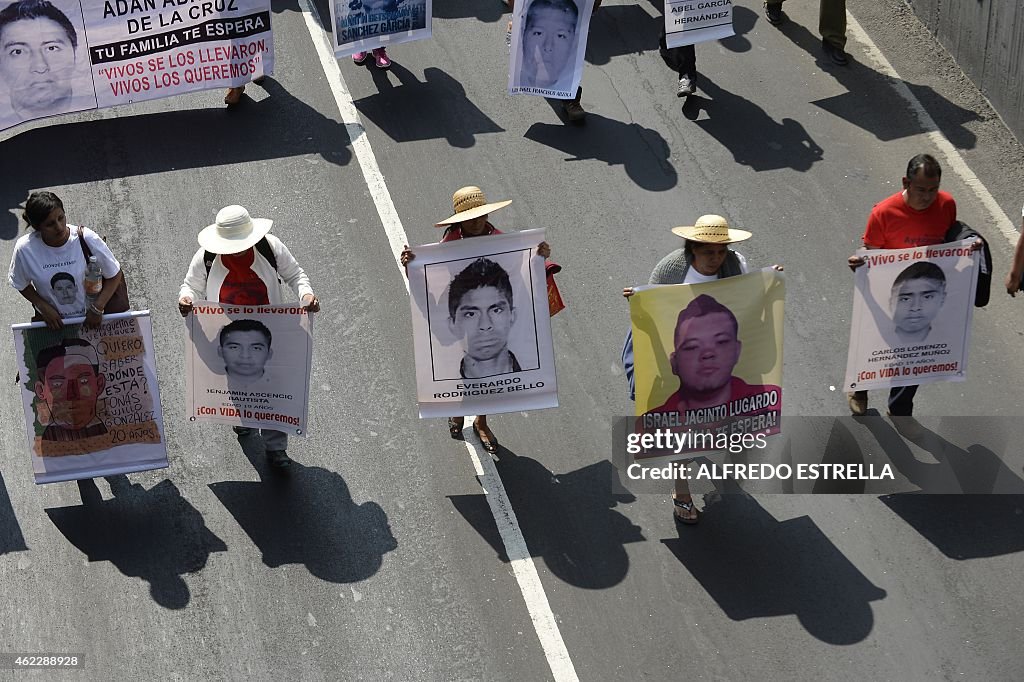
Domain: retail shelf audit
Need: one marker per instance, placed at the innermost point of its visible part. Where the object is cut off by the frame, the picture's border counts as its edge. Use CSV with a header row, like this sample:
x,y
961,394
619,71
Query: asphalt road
x,y
379,558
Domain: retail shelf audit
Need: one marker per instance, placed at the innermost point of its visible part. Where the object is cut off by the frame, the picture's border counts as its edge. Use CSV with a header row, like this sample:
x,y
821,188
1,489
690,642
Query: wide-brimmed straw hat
x,y
468,203
711,229
234,232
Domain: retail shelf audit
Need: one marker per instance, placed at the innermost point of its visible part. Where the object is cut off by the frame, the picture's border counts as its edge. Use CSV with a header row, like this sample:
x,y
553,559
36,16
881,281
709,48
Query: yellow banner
x,y
709,356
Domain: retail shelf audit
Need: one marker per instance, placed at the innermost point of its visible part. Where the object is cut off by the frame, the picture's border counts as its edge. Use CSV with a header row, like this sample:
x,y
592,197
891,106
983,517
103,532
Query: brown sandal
x,y
455,425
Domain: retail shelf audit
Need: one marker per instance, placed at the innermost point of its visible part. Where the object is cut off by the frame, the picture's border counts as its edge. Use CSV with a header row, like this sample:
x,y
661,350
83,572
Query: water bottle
x,y
93,280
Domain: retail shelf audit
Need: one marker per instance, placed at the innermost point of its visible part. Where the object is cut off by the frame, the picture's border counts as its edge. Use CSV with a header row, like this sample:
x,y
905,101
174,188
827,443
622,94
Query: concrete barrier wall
x,y
986,37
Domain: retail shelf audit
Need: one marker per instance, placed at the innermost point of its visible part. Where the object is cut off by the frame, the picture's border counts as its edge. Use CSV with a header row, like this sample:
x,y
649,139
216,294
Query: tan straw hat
x,y
711,229
468,203
234,232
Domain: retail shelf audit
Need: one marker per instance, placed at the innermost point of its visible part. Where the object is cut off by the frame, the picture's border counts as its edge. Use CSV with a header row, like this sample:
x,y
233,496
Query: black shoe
x,y
686,87
836,54
279,459
774,14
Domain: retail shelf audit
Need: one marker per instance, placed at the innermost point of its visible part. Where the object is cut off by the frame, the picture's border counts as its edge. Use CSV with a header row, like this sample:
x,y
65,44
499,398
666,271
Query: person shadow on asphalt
x,y
443,109
568,520
155,534
755,566
306,515
973,504
11,538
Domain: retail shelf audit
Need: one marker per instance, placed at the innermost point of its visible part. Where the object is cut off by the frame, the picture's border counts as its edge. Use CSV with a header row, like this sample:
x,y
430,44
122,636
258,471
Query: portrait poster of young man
x,y
912,311
91,398
481,326
249,365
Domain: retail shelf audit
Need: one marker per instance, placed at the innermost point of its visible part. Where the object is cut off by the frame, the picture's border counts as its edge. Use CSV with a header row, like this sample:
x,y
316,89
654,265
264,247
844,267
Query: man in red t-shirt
x,y
919,215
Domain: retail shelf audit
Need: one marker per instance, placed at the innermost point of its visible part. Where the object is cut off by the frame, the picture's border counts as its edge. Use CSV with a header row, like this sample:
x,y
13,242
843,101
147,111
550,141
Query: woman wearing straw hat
x,y
470,220
704,257
239,262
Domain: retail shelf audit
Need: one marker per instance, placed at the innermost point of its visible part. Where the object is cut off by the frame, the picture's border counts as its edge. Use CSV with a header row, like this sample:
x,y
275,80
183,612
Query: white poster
x,y
249,366
61,56
912,312
361,25
688,22
91,398
481,326
549,39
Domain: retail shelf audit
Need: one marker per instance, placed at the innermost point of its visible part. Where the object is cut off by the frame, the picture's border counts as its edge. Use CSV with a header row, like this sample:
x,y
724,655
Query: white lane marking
x,y
519,557
934,135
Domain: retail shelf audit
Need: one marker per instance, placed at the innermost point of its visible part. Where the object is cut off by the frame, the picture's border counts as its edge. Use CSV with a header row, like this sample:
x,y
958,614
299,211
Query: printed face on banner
x,y
917,296
91,403
708,357
249,366
706,349
70,385
481,329
41,73
361,25
912,311
244,345
479,336
550,35
549,42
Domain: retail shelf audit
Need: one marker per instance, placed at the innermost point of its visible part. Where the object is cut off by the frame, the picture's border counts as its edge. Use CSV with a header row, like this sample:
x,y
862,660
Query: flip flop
x,y
687,507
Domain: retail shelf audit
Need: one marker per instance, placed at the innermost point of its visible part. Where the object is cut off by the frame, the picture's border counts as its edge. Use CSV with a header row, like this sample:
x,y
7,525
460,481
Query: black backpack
x,y
262,247
959,231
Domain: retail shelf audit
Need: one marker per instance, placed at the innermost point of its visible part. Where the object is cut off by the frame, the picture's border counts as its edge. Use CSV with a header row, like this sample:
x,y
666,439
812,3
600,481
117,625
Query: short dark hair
x,y
699,307
51,353
40,204
38,9
480,273
559,5
245,326
59,276
926,163
920,270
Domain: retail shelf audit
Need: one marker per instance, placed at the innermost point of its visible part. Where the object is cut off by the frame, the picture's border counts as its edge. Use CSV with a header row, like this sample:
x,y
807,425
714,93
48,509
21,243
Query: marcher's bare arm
x,y
1013,278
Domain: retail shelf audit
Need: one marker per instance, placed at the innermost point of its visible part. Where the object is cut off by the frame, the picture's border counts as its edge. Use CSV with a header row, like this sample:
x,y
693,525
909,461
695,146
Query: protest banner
x,y
549,39
688,22
78,55
91,398
362,25
249,366
912,311
708,359
481,326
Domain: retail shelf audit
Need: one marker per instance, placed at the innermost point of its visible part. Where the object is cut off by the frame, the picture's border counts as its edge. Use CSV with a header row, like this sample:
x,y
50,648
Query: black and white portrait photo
x,y
44,64
481,323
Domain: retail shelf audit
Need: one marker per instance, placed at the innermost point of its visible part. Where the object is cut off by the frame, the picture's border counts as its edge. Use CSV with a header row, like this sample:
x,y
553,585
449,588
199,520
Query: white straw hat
x,y
234,232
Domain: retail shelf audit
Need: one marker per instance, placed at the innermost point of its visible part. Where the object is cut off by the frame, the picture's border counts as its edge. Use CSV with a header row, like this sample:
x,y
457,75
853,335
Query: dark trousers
x,y
901,401
682,60
831,20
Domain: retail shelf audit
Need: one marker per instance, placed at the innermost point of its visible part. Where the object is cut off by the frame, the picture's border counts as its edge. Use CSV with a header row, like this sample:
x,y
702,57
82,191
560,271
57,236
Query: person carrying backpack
x,y
239,262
